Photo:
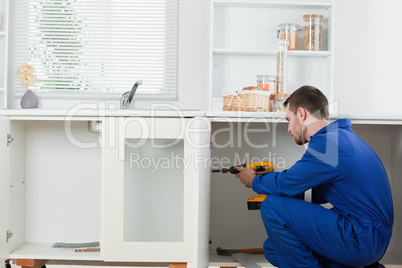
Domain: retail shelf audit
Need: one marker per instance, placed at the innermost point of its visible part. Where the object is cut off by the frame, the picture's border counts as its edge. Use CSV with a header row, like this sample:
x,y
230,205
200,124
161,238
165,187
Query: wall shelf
x,y
273,4
292,53
243,45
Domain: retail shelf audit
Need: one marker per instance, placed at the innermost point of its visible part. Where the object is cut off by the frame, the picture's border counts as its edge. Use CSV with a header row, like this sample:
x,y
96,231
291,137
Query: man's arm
x,y
312,170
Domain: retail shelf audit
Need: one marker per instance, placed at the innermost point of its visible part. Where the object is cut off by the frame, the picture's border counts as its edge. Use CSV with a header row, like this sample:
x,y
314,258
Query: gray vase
x,y
29,100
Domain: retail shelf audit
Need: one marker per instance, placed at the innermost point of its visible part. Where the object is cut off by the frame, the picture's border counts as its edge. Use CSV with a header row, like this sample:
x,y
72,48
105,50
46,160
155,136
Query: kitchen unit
x,y
64,182
80,202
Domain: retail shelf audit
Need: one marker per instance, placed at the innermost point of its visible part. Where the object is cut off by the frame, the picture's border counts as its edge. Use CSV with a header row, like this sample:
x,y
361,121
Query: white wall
x,y
367,56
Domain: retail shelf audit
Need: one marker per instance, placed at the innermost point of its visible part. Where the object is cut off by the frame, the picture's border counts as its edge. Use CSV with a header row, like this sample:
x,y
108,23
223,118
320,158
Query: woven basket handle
x,y
236,95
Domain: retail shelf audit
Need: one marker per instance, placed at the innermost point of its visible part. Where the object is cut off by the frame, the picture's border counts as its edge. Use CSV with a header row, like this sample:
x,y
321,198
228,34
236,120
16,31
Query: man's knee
x,y
270,205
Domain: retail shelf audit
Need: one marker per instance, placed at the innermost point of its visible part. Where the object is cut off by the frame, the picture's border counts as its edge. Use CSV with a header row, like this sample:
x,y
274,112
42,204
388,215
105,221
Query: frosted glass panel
x,y
153,190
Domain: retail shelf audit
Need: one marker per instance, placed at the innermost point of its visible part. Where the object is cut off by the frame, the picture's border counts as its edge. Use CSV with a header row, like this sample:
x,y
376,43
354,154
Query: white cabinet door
x,y
152,168
4,186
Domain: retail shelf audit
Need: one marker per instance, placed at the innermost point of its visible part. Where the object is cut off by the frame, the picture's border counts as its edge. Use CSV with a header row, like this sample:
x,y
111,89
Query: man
x,y
342,170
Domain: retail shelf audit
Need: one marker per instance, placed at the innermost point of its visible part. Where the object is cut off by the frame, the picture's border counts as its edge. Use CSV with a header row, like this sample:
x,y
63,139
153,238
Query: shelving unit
x,y
243,36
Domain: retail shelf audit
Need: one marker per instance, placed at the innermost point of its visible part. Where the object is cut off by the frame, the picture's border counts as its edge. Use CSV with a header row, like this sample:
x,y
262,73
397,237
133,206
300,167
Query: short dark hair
x,y
311,99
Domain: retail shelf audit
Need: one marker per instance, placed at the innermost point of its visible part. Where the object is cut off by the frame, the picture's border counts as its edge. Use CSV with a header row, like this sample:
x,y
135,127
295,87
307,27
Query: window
x,y
100,45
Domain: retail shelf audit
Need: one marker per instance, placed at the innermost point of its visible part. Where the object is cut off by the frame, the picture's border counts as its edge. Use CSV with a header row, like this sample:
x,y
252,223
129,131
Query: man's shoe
x,y
375,265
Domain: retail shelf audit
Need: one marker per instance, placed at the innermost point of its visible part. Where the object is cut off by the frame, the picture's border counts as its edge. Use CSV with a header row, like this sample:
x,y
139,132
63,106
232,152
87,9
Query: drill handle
x,y
234,170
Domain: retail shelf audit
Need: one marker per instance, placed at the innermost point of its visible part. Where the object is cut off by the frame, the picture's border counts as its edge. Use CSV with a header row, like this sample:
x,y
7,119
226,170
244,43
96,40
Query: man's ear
x,y
302,114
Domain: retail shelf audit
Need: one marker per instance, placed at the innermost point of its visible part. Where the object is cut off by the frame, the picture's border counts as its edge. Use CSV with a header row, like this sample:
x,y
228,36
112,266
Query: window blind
x,y
100,45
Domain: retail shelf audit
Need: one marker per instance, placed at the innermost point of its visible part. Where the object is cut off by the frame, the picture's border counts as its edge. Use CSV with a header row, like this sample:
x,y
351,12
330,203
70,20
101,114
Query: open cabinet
x,y
64,182
233,226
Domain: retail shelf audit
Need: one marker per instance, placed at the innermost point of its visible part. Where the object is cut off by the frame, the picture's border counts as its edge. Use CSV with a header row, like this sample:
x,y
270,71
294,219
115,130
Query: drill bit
x,y
232,170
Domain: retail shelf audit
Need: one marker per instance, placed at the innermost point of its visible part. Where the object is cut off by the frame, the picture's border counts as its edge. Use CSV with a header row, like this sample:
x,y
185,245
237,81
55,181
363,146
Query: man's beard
x,y
301,134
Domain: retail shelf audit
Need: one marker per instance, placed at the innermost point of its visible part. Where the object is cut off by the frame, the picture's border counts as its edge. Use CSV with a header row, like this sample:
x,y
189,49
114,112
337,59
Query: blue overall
x,y
344,171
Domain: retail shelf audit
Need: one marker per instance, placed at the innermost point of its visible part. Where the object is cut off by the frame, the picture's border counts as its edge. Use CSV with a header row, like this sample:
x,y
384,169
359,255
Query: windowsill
x,y
95,95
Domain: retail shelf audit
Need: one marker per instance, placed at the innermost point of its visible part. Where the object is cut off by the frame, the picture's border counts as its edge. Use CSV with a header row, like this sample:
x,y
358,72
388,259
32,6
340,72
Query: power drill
x,y
253,202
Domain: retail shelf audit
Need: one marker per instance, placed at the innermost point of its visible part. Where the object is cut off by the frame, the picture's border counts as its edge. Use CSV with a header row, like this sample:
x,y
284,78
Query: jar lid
x,y
266,76
289,26
313,16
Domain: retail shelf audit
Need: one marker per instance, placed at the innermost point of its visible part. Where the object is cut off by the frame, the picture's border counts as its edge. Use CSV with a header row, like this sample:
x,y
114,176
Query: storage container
x,y
281,66
289,31
277,101
312,32
267,82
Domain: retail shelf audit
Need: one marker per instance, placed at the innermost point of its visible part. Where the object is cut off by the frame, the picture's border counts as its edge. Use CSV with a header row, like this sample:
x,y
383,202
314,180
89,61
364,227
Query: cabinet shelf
x,y
45,251
2,33
294,53
274,4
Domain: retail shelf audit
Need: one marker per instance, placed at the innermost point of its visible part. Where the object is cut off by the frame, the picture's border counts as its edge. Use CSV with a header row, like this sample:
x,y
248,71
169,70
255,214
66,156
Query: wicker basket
x,y
247,100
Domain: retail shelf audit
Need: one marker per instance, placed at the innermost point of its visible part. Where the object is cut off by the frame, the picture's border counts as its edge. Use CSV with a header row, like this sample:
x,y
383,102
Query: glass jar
x,y
281,66
277,101
267,82
289,31
312,32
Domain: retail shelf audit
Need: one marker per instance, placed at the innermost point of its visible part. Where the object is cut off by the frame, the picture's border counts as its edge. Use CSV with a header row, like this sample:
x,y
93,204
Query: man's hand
x,y
246,176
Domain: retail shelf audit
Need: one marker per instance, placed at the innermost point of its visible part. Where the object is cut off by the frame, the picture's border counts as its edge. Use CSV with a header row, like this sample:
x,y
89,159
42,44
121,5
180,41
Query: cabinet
x,y
62,183
243,45
233,226
3,51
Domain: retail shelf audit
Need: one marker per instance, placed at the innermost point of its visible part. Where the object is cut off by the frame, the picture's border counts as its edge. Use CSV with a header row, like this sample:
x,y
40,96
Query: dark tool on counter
x,y
254,202
229,252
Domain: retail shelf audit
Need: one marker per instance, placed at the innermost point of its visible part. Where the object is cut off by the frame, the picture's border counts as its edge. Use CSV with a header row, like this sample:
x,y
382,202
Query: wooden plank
x,y
178,265
31,263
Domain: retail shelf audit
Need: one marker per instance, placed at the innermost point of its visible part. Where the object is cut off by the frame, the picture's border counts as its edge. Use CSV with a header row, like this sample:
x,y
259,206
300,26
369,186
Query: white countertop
x,y
88,112
214,116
